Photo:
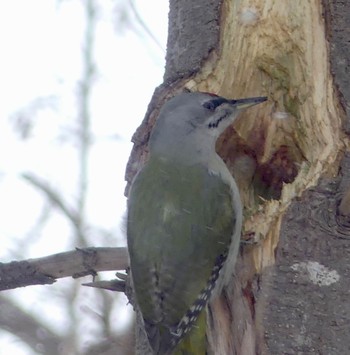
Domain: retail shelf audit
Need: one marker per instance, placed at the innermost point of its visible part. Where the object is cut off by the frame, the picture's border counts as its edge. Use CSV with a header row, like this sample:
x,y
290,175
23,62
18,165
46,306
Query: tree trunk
x,y
290,290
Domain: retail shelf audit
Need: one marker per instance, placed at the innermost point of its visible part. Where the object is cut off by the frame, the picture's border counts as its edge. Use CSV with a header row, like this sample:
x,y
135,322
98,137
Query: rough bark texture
x,y
303,301
289,293
189,23
337,15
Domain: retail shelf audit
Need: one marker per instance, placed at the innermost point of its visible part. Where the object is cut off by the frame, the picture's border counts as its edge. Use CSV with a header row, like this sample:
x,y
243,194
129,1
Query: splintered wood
x,y
283,146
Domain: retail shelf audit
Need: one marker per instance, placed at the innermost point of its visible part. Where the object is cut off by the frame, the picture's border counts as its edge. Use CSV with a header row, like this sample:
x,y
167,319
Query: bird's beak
x,y
244,103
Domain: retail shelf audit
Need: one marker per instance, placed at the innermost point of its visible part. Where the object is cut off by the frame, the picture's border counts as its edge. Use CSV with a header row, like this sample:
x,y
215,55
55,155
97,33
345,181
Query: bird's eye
x,y
209,105
213,104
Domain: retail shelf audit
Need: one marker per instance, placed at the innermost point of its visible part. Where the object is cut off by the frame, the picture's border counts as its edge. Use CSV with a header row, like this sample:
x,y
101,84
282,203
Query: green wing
x,y
180,219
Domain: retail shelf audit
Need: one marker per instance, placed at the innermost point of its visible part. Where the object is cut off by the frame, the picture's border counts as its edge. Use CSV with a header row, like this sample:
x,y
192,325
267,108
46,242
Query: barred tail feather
x,y
189,335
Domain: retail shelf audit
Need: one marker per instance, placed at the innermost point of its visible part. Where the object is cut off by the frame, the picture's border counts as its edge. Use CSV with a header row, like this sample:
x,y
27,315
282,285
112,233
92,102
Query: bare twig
x,y
144,26
86,85
46,270
53,197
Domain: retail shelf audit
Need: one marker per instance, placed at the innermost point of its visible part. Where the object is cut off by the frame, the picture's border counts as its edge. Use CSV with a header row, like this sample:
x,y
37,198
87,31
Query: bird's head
x,y
191,122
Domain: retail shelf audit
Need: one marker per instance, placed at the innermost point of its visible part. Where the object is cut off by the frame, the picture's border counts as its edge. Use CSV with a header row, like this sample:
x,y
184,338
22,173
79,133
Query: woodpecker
x,y
184,221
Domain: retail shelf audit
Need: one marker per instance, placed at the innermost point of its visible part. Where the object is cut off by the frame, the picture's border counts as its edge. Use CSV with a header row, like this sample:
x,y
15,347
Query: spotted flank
x,y
188,320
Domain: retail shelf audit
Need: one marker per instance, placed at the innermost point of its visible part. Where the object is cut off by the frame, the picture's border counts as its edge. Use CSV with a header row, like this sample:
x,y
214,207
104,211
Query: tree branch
x,y
53,197
46,270
30,330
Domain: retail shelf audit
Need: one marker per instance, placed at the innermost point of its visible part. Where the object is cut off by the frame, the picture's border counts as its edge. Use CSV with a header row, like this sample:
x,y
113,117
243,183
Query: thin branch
x,y
84,102
28,329
53,197
47,270
144,26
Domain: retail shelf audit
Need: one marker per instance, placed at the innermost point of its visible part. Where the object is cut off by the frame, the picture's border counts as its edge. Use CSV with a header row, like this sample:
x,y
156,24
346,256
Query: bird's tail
x,y
194,342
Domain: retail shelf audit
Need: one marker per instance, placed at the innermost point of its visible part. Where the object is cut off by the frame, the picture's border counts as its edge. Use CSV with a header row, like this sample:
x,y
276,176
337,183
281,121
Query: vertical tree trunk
x,y
290,290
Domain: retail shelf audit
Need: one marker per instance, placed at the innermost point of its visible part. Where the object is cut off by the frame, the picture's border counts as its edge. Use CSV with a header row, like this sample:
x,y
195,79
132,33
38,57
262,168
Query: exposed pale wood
x,y
283,54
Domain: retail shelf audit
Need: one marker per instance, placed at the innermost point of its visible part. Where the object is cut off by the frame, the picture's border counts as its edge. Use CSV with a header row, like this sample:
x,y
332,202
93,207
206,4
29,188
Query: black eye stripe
x,y
213,104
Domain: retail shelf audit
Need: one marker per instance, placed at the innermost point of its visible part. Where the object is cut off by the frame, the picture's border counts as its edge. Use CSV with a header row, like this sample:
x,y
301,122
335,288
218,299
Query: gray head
x,y
190,123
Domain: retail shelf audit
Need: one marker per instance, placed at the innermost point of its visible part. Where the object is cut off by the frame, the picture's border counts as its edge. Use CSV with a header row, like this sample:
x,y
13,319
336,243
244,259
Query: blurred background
x,y
76,79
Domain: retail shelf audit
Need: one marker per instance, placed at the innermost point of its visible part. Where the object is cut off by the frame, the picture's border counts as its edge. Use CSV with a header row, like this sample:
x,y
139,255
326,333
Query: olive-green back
x,y
180,219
